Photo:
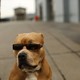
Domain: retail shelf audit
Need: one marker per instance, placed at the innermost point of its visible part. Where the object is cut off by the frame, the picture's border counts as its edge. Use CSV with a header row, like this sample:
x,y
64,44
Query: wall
x,y
44,9
74,11
62,11
58,10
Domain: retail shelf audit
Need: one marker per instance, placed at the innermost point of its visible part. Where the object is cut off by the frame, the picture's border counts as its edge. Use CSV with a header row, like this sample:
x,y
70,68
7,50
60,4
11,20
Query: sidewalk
x,y
62,53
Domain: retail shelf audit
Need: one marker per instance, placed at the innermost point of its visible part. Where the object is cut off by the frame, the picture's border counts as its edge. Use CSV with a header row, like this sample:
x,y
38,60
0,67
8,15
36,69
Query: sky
x,y
8,6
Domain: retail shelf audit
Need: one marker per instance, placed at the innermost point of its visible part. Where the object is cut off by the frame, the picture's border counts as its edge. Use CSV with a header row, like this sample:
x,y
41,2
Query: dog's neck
x,y
31,76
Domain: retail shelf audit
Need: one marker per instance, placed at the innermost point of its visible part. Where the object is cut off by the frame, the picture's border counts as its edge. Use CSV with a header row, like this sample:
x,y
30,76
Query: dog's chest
x,y
31,77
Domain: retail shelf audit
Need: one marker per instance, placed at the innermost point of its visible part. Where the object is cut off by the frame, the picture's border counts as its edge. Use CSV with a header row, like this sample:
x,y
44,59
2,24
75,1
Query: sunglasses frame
x,y
28,46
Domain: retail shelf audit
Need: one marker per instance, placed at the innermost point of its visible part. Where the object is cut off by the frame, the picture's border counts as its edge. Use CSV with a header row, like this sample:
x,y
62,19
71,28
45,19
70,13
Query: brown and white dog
x,y
30,58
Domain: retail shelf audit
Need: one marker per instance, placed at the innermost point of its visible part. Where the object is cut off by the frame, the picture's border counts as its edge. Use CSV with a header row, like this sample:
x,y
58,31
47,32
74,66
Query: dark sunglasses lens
x,y
34,46
17,46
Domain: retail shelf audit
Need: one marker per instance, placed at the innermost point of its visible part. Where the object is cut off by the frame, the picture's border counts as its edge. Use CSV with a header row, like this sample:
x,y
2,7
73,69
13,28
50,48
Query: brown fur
x,y
45,72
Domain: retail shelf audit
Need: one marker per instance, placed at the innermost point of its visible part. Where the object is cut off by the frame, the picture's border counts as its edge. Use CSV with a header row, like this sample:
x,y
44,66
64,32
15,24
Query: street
x,y
62,46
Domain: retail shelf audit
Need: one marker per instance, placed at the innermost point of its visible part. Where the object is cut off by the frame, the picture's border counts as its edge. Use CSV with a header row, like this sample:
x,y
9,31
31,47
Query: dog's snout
x,y
22,55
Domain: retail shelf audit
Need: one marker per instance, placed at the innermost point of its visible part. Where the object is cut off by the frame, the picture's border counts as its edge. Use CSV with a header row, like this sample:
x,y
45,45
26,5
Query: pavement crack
x,y
65,45
55,64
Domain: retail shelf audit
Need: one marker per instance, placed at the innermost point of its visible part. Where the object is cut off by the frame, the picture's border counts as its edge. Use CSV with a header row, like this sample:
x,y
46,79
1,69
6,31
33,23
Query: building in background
x,y
44,10
58,10
20,13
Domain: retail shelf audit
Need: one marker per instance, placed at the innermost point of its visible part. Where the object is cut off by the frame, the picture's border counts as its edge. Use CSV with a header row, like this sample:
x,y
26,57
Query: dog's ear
x,y
19,34
42,35
17,37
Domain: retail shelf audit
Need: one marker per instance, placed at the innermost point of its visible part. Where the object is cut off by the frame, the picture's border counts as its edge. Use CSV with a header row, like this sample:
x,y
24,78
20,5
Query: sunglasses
x,y
28,46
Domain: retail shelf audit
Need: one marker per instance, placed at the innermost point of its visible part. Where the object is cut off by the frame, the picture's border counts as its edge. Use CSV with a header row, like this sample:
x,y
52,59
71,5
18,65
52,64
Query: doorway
x,y
66,10
41,12
50,9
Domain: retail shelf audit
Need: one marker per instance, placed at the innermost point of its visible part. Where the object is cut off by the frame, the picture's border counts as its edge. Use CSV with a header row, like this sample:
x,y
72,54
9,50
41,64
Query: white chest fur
x,y
31,77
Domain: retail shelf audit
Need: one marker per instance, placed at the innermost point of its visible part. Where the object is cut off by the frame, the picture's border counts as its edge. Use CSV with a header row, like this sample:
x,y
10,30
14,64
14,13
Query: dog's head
x,y
28,48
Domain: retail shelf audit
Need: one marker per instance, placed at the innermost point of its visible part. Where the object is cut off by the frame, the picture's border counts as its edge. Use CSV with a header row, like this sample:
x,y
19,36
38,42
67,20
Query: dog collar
x,y
37,69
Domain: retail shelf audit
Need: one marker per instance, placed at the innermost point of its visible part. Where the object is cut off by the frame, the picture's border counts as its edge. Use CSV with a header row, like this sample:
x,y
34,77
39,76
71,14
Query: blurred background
x,y
58,20
17,10
45,10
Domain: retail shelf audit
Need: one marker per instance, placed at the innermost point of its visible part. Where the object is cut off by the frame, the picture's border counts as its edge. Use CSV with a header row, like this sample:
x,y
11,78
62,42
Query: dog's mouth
x,y
26,65
23,63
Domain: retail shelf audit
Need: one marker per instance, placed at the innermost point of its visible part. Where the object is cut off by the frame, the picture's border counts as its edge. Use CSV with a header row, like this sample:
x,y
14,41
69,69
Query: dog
x,y
30,63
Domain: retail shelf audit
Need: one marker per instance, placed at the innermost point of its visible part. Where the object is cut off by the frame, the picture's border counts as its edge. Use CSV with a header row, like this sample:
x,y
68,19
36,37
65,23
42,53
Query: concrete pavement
x,y
62,51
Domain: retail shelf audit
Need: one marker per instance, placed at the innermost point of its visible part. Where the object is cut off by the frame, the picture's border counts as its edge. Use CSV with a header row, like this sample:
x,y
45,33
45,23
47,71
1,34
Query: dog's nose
x,y
22,55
